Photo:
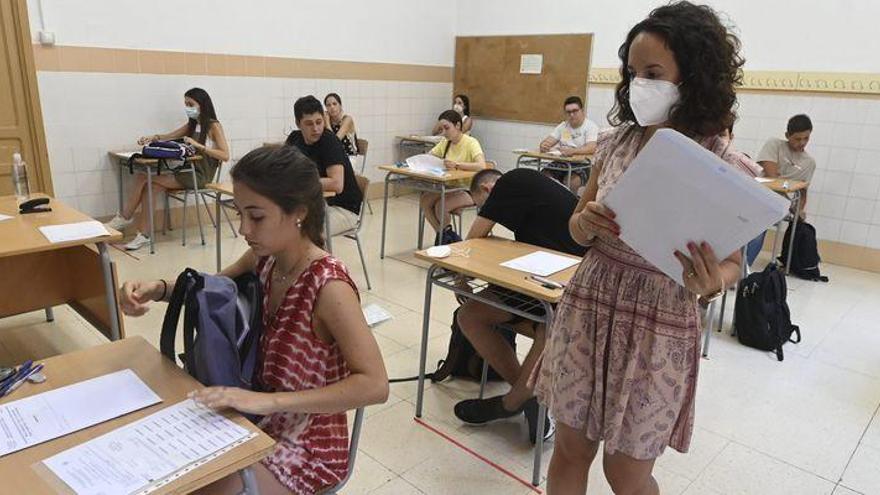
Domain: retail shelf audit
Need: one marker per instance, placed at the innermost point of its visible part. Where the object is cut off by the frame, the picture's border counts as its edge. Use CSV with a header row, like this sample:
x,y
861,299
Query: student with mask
x,y
203,131
576,135
461,104
321,145
620,364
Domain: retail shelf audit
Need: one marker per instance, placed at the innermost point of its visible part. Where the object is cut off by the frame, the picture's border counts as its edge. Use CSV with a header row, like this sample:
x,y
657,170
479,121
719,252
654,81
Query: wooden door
x,y
21,122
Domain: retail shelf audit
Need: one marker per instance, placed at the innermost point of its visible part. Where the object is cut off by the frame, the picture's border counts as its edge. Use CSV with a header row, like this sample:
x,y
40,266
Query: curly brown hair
x,y
708,58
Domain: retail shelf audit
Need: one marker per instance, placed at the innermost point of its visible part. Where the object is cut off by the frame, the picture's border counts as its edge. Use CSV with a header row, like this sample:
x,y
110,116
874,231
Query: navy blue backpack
x,y
222,325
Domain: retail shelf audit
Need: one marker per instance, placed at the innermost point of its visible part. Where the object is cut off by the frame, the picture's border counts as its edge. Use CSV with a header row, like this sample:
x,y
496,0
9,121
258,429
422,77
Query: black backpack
x,y
762,318
805,257
461,358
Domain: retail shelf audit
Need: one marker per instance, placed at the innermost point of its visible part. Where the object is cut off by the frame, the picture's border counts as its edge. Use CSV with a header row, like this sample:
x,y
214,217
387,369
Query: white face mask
x,y
651,100
191,112
458,108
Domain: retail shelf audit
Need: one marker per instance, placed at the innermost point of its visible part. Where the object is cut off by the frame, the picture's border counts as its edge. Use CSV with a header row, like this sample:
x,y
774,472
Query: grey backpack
x,y
222,325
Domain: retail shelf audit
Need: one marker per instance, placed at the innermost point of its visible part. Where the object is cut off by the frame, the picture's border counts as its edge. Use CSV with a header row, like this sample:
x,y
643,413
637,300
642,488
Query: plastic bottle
x,y
20,178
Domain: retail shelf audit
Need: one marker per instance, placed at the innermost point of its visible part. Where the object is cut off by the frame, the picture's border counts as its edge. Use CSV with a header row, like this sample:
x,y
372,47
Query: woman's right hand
x,y
135,296
597,219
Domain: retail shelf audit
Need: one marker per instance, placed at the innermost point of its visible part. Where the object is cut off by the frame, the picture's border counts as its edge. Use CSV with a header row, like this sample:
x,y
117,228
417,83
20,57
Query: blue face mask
x,y
191,112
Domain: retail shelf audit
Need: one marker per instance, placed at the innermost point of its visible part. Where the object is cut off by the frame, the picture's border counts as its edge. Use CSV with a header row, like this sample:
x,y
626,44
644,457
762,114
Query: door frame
x,y
43,174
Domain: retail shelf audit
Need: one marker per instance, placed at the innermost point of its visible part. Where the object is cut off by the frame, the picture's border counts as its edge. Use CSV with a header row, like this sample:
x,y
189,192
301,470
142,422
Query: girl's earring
x,y
299,223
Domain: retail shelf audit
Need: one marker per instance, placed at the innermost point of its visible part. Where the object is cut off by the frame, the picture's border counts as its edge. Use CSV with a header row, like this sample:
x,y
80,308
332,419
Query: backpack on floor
x,y
805,256
762,318
461,358
222,324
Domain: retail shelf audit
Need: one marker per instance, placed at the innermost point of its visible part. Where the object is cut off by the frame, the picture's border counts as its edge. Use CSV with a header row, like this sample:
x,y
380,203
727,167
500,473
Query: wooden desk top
x,y
419,139
226,188
576,159
160,374
448,176
122,155
20,234
484,263
778,185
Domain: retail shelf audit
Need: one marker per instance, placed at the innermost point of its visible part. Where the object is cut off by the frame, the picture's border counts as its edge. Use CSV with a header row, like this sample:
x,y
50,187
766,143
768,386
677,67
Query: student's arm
x,y
136,295
338,313
582,223
345,128
335,180
481,228
479,163
220,151
587,149
437,129
175,134
771,169
467,125
548,143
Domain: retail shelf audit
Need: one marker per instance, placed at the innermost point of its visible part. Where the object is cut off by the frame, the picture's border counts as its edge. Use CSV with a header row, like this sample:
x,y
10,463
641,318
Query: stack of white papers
x,y
433,139
74,231
676,191
541,263
426,163
42,417
375,314
149,453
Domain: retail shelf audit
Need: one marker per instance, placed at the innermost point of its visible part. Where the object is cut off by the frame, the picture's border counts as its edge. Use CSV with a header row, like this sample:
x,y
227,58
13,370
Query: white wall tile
x,y
854,233
837,183
89,183
843,159
870,137
833,206
868,162
873,239
859,210
865,186
827,228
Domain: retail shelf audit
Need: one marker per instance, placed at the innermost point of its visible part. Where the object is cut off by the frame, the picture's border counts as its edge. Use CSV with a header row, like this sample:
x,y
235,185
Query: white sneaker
x,y
139,241
119,222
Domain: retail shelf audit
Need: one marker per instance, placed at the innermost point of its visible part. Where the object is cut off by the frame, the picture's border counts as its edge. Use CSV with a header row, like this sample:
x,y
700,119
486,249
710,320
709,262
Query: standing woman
x,y
458,152
461,104
203,131
317,357
342,124
620,364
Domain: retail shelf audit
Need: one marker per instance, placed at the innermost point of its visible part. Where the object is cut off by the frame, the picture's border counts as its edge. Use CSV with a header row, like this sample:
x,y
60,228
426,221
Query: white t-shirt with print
x,y
588,132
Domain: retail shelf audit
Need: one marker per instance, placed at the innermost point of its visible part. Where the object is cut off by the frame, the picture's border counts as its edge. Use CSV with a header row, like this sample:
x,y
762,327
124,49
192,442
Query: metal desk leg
x,y
423,349
421,229
249,482
109,290
327,229
442,213
150,207
707,333
518,160
50,314
384,215
794,221
119,182
217,228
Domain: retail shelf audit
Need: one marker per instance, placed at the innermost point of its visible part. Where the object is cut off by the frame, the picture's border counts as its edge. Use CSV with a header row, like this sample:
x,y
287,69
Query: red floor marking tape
x,y
478,456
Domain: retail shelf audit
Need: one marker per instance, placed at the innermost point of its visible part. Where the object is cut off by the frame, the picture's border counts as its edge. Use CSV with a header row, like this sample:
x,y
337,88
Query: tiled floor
x,y
805,426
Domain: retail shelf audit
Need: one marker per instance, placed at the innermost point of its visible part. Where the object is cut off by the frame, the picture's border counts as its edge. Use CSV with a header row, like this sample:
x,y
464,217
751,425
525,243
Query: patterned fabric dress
x,y
622,354
311,452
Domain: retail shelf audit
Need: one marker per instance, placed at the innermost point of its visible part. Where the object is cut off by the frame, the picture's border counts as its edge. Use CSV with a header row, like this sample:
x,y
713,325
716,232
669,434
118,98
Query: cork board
x,y
487,69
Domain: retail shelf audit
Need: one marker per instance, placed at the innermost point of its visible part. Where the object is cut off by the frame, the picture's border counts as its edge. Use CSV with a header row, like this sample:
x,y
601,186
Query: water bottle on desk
x,y
20,178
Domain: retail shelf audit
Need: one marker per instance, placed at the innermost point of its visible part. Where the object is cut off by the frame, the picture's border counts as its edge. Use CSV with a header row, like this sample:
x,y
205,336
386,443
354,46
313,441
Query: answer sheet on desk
x,y
141,456
676,191
541,263
74,231
55,413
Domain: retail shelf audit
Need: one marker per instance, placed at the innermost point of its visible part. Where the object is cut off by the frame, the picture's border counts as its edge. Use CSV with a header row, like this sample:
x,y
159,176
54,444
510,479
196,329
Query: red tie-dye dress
x,y
311,452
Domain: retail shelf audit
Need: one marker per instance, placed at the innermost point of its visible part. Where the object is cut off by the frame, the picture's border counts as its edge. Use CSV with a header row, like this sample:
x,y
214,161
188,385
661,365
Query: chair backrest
x,y
363,184
352,451
362,145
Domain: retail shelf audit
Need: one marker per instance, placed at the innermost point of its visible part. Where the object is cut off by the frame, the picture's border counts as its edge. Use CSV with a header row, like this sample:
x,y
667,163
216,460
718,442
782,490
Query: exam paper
x,y
433,139
144,455
4,217
541,263
676,191
74,231
375,314
125,154
42,417
426,162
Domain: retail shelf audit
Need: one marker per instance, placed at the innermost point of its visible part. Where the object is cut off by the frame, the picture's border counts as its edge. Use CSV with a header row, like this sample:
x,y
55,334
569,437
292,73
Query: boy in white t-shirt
x,y
576,135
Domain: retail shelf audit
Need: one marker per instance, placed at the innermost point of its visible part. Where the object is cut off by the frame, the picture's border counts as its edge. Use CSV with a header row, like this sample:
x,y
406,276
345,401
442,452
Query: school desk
x,y
23,471
37,274
479,261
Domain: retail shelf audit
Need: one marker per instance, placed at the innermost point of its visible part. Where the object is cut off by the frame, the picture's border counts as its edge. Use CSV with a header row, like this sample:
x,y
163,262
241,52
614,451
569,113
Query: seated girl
x,y
341,123
461,104
301,391
203,131
459,152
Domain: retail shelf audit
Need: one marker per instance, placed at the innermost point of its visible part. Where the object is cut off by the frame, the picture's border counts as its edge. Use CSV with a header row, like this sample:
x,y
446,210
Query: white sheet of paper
x,y
375,314
426,162
42,417
142,456
125,154
74,231
676,191
433,139
5,217
541,263
763,180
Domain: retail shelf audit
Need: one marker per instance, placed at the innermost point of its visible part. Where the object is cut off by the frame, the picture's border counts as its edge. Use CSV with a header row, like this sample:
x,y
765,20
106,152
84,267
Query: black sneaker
x,y
450,236
480,411
530,410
